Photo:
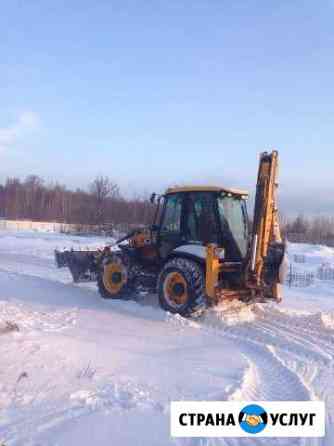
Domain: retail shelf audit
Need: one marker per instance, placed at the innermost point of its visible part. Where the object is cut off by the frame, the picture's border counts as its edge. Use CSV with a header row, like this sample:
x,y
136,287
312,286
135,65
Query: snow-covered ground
x,y
79,370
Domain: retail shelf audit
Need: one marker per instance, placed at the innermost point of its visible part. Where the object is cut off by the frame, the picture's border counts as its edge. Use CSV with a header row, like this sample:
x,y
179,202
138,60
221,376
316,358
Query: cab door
x,y
170,232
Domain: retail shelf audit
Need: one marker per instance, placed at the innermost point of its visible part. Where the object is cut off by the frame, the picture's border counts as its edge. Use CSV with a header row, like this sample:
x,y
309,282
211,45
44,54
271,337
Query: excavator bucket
x,y
82,264
85,264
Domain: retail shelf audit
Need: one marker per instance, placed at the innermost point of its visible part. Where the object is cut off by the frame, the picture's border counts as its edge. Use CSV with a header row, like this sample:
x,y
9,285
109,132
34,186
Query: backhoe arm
x,y
267,249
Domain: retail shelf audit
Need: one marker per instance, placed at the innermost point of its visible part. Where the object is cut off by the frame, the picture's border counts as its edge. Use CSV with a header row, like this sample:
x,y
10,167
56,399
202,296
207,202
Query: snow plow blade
x,y
82,264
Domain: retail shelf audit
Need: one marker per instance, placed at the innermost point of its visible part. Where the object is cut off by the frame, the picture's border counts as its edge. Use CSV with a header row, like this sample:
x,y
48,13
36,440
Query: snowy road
x,y
79,370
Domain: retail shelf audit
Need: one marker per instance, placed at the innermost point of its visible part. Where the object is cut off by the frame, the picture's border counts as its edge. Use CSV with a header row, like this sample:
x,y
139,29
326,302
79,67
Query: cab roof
x,y
176,189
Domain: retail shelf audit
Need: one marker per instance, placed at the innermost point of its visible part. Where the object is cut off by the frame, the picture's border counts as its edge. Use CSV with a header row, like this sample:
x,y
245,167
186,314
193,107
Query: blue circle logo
x,y
253,419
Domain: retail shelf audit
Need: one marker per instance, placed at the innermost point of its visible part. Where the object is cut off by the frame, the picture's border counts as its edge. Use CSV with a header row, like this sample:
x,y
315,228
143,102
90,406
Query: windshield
x,y
234,222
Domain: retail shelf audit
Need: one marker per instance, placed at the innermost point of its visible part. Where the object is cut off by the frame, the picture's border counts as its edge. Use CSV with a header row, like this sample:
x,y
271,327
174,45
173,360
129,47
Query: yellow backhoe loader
x,y
198,251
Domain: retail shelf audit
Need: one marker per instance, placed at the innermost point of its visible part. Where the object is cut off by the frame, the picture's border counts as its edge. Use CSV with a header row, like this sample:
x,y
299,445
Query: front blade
x,y
82,264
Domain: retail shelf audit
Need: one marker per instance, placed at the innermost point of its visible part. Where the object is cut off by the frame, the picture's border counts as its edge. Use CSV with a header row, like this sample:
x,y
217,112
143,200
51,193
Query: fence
x,y
106,229
325,272
299,279
42,226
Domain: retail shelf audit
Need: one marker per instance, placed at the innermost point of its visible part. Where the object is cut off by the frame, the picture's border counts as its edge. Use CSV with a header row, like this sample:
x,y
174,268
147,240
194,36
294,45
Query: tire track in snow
x,y
274,379
316,366
290,358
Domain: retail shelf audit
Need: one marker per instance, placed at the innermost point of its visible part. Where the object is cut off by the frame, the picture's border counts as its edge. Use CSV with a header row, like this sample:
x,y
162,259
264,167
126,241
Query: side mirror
x,y
152,199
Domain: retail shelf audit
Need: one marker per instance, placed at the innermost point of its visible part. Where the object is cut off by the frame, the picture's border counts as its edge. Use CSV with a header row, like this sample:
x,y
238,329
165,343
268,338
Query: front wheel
x,y
181,287
112,280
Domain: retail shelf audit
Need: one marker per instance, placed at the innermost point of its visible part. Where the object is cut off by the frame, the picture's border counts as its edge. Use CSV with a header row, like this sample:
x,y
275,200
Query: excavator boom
x,y
267,249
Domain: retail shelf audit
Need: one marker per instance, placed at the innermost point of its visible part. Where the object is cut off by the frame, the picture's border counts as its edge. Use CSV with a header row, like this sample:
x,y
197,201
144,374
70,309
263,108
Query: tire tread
x,y
194,275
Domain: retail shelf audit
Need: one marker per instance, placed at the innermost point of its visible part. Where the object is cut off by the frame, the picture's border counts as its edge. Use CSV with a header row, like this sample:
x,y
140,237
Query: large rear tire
x,y
181,287
112,279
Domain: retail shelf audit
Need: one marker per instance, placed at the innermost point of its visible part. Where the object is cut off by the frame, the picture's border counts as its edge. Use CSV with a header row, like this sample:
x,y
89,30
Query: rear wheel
x,y
181,287
112,280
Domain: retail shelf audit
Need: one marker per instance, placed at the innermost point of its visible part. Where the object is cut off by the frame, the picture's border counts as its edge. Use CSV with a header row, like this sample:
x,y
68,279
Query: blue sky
x,y
154,93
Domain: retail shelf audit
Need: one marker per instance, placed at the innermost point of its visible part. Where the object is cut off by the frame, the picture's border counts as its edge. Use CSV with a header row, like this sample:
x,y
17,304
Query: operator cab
x,y
198,215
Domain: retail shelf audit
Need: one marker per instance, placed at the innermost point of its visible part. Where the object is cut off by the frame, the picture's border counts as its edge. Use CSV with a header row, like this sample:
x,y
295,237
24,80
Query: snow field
x,y
76,369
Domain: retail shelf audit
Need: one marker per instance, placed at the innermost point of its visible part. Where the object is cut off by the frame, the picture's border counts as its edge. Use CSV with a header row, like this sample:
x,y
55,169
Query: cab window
x,y
201,223
172,214
233,216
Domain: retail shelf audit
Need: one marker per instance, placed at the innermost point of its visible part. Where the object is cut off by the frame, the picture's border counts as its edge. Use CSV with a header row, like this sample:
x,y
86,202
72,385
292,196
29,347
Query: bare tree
x,y
102,190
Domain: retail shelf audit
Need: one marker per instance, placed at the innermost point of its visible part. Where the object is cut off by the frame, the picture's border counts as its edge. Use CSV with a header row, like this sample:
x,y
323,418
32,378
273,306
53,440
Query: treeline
x,y
101,203
316,230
